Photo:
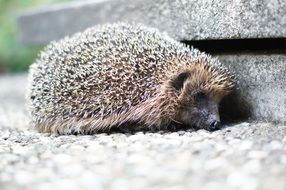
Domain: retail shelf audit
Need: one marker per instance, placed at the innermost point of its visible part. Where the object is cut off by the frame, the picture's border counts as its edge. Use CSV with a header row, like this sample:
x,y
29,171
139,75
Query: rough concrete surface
x,y
182,19
243,156
261,88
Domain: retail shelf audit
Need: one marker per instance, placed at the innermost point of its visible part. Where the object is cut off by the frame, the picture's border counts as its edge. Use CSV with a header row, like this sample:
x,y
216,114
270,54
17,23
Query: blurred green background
x,y
15,57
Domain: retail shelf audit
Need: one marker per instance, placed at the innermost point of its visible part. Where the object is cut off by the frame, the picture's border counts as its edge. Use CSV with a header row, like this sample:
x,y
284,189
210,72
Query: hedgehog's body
x,y
111,75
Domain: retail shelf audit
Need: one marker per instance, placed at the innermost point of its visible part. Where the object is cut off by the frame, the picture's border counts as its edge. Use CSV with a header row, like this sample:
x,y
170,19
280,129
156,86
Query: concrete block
x,y
262,93
182,19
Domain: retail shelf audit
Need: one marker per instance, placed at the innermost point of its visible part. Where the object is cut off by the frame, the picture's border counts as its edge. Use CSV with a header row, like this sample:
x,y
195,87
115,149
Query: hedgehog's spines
x,y
111,74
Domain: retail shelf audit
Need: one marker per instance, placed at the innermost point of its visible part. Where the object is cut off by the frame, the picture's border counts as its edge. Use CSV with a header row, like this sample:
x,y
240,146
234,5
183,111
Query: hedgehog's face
x,y
200,111
200,91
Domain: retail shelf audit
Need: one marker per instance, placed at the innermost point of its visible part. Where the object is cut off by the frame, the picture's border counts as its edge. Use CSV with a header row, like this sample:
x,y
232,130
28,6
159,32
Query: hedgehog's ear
x,y
180,79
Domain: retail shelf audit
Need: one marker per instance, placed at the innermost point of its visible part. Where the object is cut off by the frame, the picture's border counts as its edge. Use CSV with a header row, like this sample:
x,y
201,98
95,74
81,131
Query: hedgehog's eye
x,y
200,95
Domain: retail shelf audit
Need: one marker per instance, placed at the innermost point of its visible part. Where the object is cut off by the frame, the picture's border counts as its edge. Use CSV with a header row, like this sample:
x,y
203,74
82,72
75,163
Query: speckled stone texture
x,y
183,20
244,156
261,88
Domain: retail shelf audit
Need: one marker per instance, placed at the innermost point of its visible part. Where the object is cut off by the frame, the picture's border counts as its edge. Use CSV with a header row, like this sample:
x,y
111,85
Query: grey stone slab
x,y
262,93
183,20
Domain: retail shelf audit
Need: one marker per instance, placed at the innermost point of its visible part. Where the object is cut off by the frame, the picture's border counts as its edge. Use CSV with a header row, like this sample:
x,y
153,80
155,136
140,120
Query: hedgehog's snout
x,y
214,124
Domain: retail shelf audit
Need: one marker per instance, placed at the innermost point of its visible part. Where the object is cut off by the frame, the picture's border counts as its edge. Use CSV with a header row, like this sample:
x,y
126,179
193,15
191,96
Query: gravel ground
x,y
241,156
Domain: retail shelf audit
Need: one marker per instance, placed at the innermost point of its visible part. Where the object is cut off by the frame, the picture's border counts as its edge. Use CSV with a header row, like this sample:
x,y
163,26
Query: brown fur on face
x,y
201,88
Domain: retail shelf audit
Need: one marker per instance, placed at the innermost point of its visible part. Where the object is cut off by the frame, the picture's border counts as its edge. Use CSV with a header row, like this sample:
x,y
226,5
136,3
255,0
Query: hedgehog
x,y
124,76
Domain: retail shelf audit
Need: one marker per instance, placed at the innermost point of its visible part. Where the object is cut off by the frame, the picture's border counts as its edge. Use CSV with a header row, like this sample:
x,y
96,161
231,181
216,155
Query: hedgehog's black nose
x,y
215,125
